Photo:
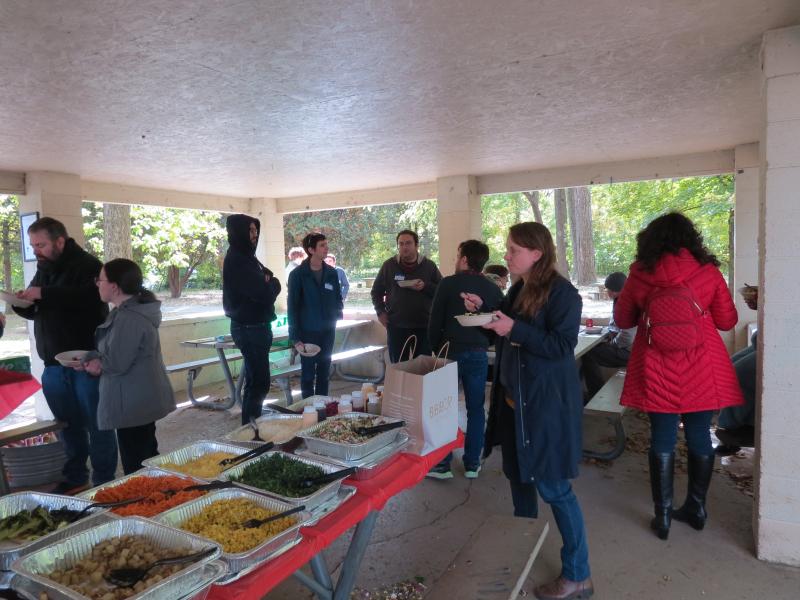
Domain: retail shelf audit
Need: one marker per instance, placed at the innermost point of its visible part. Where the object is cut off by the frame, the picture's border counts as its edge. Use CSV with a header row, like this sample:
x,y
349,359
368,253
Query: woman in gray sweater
x,y
134,389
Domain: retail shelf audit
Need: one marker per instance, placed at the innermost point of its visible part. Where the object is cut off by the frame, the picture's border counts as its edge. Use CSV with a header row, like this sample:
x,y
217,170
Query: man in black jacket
x,y
66,311
249,290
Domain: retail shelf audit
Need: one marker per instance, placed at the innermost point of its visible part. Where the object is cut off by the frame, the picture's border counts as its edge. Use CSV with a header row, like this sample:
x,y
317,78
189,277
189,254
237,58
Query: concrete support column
x,y
56,195
271,251
458,212
745,256
777,477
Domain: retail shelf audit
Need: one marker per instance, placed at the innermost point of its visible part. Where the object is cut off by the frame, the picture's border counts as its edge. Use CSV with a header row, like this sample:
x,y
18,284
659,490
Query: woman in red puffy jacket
x,y
679,366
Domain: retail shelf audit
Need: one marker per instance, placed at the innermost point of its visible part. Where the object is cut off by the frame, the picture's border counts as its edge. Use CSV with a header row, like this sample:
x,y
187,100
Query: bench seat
x,y
605,403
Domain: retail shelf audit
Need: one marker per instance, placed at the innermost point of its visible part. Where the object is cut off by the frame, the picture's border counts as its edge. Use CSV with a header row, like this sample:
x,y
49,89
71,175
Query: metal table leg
x,y
619,442
234,389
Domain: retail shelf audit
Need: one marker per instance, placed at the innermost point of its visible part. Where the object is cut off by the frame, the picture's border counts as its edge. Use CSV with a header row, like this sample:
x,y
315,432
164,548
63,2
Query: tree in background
x,y
560,202
579,207
10,244
169,244
117,231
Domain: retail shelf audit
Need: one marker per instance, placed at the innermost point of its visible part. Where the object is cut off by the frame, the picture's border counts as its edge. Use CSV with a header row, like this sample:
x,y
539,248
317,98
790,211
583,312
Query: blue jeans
x,y
744,363
254,341
316,370
472,368
557,493
664,432
73,397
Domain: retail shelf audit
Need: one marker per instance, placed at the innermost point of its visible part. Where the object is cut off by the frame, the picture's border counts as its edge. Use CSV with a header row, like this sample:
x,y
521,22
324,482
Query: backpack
x,y
673,319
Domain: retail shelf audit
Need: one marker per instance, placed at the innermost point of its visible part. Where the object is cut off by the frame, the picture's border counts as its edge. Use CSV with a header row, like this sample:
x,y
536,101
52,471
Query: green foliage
x,y
362,238
164,237
10,242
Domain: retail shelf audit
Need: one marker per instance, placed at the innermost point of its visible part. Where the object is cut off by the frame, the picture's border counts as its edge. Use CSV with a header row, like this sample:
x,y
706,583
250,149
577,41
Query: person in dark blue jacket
x,y
536,400
249,290
315,304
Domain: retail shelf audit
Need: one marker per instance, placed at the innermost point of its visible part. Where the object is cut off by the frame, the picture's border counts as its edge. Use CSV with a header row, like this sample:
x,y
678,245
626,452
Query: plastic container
x,y
374,404
367,389
345,407
322,413
358,401
310,416
380,391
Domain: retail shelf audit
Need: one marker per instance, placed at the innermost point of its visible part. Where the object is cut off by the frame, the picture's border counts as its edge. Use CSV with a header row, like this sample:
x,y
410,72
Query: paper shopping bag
x,y
423,392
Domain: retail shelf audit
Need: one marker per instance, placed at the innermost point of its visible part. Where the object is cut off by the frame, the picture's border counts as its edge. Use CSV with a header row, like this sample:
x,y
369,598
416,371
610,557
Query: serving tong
x,y
376,429
229,462
253,523
130,576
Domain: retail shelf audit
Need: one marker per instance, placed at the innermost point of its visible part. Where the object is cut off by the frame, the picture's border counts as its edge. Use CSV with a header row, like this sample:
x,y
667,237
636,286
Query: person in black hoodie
x,y
249,290
66,311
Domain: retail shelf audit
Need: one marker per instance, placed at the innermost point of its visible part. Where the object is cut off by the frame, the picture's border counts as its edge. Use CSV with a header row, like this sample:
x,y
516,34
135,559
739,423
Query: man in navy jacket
x,y
315,304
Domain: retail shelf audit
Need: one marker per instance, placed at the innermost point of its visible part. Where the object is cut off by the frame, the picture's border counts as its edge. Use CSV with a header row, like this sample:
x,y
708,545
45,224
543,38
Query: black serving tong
x,y
230,462
253,523
203,487
323,479
130,576
367,431
114,504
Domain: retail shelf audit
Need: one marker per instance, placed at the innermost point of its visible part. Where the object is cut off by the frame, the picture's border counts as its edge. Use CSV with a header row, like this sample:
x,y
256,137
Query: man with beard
x,y
66,311
403,293
249,290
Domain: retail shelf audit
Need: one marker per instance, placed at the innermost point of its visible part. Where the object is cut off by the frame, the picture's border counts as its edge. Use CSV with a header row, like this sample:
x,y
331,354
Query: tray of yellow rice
x,y
199,459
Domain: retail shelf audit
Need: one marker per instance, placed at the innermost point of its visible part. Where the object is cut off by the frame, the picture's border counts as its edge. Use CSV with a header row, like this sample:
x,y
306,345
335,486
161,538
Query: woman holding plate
x,y
536,399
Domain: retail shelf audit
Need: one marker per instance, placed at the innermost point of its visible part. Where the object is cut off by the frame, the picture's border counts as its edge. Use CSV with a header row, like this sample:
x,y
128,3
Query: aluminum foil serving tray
x,y
349,452
310,501
240,561
370,465
191,452
65,553
231,436
14,503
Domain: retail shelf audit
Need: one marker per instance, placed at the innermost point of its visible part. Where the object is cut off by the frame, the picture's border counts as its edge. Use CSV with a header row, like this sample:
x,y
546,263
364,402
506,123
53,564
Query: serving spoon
x,y
130,576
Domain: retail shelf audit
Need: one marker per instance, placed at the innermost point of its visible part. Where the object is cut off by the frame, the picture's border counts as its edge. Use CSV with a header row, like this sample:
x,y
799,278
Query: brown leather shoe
x,y
564,589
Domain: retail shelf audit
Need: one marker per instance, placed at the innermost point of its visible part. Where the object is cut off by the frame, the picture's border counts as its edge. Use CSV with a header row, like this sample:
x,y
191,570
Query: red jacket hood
x,y
671,269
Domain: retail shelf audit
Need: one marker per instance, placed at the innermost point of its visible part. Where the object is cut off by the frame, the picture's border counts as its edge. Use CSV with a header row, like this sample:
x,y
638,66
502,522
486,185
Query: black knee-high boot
x,y
661,470
693,510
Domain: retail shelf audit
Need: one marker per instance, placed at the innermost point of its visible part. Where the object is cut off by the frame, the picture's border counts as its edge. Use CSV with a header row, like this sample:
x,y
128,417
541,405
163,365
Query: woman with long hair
x,y
134,388
679,367
536,398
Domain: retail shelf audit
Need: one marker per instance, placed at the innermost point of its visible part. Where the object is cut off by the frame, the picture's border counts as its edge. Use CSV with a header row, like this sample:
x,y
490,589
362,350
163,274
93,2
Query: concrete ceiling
x,y
280,98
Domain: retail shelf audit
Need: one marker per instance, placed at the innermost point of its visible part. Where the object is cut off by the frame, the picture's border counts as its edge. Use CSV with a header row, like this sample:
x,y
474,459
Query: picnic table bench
x,y
605,403
283,363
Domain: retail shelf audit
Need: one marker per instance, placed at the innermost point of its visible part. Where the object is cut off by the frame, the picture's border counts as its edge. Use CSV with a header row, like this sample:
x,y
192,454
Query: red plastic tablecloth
x,y
405,471
15,388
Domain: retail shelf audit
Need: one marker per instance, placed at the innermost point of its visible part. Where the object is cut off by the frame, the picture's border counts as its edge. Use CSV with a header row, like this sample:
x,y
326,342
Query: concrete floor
x,y
420,532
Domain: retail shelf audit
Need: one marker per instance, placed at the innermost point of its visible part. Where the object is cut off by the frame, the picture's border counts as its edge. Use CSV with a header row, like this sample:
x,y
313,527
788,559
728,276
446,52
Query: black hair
x,y
311,241
476,253
668,234
413,234
498,270
55,229
128,277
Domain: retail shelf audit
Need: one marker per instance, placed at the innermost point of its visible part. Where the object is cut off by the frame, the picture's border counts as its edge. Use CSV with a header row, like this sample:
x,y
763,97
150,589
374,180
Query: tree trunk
x,y
580,213
117,231
6,244
533,200
175,282
560,202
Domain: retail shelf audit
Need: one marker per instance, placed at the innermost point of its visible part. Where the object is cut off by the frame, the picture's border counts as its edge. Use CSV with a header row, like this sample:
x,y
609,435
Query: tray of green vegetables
x,y
279,475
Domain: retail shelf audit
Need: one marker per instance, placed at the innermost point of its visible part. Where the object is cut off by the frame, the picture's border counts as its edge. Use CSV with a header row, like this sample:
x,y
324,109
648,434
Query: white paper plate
x,y
311,350
407,282
596,330
71,358
12,299
475,320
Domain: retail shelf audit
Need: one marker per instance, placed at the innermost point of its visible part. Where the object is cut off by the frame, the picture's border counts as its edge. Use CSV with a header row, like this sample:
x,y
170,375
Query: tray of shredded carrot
x,y
220,515
150,483
200,459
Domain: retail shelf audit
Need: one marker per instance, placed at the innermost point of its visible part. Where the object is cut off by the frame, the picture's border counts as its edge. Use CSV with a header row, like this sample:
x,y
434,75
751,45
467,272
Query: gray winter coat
x,y
134,388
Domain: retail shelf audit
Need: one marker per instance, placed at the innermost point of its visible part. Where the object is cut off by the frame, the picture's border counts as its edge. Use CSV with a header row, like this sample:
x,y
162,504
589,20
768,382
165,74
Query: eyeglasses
x,y
98,280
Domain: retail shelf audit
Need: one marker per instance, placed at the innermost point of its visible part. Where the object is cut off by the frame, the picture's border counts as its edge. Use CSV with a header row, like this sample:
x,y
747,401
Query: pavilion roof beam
x,y
12,182
114,193
353,199
686,165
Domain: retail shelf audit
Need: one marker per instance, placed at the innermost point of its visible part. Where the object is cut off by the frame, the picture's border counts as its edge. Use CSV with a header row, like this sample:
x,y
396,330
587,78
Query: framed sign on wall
x,y
25,222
